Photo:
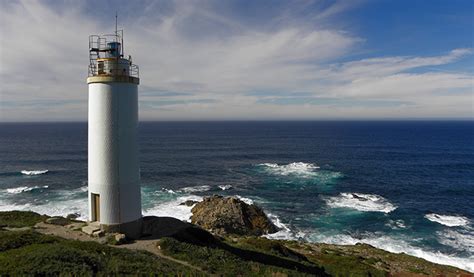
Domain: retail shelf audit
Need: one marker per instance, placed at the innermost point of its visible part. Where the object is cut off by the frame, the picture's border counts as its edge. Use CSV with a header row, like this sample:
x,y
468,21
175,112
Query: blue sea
x,y
403,186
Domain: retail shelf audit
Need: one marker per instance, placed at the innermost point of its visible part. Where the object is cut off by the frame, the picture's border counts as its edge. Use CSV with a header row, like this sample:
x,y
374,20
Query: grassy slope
x,y
18,219
28,252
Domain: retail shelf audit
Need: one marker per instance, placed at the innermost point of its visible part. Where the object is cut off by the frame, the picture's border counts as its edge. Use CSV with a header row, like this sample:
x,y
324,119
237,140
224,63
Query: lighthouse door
x,y
95,207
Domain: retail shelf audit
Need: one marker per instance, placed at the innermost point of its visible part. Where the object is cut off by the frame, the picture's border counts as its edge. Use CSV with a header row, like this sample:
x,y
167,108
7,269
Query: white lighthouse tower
x,y
114,178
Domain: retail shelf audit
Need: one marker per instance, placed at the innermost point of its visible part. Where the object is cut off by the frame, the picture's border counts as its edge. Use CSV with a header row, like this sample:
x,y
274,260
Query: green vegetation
x,y
18,219
334,263
29,253
222,258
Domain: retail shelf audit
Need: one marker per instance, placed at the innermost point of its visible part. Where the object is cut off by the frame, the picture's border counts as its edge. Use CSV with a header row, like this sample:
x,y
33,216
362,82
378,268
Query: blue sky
x,y
249,60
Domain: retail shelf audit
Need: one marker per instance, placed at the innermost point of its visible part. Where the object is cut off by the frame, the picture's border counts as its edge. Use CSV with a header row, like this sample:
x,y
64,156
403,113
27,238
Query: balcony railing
x,y
99,49
133,71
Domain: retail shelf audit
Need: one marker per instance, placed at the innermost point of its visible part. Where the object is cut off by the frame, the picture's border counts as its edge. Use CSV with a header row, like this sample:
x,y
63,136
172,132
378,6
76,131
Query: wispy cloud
x,y
208,60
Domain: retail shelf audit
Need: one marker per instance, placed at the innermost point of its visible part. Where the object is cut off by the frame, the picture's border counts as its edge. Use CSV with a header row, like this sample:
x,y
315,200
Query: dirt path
x,y
150,246
71,232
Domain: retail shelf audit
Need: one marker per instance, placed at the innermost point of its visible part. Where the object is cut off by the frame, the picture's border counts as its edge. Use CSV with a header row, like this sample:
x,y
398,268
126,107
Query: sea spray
x,y
34,172
361,202
448,220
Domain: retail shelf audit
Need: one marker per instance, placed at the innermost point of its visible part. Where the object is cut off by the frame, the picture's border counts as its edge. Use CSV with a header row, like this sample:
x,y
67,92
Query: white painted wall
x,y
113,151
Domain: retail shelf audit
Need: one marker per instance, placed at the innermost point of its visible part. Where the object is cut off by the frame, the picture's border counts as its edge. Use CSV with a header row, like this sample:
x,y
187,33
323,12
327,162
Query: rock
x,y
98,234
90,229
189,203
120,238
229,215
58,221
76,226
73,216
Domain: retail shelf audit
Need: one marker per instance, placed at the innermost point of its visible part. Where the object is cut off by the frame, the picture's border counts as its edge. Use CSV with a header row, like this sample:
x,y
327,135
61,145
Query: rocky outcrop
x,y
189,203
57,220
229,215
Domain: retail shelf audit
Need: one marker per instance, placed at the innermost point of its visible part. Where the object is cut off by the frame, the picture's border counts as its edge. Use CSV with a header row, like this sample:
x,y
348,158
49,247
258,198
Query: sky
x,y
246,60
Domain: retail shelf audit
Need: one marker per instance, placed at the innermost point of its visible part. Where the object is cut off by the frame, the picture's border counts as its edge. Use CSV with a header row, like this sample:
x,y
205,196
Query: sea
x,y
403,186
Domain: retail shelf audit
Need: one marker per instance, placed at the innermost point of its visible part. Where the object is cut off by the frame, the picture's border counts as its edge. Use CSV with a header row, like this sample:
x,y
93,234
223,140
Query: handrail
x,y
98,45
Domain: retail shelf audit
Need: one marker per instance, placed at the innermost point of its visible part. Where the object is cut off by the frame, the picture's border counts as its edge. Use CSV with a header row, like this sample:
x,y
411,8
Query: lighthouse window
x,y
100,67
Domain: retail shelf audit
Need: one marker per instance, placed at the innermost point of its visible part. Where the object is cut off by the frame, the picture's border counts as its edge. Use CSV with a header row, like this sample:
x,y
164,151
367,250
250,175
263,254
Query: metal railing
x,y
133,71
98,47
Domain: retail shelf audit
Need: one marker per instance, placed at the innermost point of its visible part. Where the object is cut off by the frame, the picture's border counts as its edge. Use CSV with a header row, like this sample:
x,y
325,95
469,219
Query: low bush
x,y
17,219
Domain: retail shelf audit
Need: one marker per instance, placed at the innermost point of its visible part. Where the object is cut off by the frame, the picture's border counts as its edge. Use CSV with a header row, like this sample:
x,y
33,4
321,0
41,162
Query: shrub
x,y
18,219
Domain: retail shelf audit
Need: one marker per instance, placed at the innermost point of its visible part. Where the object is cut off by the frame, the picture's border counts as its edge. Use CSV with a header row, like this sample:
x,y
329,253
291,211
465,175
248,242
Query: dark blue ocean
x,y
402,186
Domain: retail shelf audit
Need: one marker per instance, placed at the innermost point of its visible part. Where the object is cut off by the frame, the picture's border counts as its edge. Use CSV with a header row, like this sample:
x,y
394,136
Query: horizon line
x,y
268,120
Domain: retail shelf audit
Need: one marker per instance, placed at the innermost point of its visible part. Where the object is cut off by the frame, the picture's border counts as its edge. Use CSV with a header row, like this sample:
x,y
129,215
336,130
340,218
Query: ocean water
x,y
400,186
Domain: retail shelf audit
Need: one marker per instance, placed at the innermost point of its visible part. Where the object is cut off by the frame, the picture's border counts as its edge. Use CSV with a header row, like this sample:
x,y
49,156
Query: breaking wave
x,y
34,172
462,240
245,199
24,189
302,171
284,231
448,220
196,189
361,202
59,208
396,224
225,187
399,246
173,208
297,168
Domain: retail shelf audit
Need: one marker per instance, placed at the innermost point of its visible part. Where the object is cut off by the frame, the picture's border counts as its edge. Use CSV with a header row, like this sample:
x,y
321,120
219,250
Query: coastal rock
x,y
229,215
120,238
58,221
189,203
73,216
98,234
90,229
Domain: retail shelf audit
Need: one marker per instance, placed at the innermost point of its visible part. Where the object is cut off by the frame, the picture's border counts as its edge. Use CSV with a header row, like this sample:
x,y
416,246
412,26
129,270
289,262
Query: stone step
x,y
90,229
94,223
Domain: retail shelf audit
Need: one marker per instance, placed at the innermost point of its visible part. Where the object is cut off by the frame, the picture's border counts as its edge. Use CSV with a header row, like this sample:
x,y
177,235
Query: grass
x,y
334,263
32,253
222,258
18,219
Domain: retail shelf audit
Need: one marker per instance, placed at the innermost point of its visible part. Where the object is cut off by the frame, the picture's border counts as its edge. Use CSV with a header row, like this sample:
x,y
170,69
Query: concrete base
x,y
132,229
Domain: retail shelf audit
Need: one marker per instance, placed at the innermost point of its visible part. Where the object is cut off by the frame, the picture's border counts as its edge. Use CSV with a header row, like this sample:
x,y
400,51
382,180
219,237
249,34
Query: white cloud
x,y
214,66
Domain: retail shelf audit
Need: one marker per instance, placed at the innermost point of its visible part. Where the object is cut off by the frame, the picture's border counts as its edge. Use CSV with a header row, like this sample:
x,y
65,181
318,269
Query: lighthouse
x,y
113,164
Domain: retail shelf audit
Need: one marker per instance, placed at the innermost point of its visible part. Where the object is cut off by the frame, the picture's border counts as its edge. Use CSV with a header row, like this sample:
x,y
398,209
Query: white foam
x,y
84,188
173,208
34,172
196,189
396,224
170,191
245,199
58,208
361,202
461,239
23,189
284,232
225,187
401,246
298,168
448,220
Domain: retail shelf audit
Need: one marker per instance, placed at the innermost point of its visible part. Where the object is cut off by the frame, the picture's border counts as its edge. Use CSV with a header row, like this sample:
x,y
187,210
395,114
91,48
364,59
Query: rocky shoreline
x,y
223,238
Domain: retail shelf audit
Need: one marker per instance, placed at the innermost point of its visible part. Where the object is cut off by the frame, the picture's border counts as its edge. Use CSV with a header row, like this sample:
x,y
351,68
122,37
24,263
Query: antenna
x,y
116,32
